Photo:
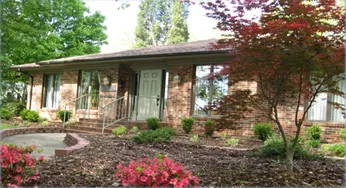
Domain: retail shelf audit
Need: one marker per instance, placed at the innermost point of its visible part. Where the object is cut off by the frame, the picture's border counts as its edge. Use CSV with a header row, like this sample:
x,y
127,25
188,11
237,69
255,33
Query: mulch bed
x,y
96,164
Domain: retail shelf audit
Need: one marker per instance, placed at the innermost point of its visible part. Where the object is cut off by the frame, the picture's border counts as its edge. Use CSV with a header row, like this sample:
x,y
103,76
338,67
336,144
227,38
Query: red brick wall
x,y
179,95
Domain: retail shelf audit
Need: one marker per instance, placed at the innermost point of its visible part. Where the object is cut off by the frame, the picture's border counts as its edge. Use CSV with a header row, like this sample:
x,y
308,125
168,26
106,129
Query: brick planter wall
x,y
74,142
11,132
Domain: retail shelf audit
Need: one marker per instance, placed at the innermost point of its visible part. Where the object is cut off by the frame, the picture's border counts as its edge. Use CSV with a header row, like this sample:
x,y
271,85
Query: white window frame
x,y
51,91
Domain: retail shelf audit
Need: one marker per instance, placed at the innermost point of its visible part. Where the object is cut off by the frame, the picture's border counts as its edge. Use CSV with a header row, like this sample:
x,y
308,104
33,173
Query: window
x,y
89,88
322,111
208,88
51,87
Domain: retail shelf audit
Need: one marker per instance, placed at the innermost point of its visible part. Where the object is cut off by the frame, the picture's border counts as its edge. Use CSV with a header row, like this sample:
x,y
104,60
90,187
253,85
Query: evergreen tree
x,y
161,22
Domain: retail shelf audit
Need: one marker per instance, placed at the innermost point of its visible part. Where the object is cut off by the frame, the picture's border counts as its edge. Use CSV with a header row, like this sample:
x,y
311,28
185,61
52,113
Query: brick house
x,y
168,82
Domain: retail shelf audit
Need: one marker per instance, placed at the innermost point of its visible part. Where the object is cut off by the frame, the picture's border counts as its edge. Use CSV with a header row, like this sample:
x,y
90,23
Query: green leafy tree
x,y
161,22
35,30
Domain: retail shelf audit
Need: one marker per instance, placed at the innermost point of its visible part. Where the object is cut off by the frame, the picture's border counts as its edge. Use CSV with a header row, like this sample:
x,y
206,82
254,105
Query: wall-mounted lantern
x,y
176,79
121,84
106,81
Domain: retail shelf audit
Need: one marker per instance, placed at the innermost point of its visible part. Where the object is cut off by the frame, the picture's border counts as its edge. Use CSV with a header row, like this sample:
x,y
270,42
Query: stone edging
x,y
74,142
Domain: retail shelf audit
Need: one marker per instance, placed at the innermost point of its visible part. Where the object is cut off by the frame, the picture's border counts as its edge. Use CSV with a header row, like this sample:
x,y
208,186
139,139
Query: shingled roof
x,y
188,48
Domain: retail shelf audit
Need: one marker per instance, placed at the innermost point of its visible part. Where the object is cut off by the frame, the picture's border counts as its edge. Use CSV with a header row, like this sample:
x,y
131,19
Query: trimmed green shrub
x,y
187,124
24,113
194,138
61,115
32,116
313,143
159,135
153,123
263,130
14,107
6,114
209,128
333,149
134,130
274,147
119,131
314,132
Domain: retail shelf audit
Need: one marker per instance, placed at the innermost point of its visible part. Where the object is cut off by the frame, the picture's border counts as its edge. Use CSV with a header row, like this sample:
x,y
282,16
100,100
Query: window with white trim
x,y
208,88
51,88
321,110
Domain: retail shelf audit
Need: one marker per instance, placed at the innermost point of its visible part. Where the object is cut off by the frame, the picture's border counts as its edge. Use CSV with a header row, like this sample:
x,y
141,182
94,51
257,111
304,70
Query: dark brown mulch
x,y
95,165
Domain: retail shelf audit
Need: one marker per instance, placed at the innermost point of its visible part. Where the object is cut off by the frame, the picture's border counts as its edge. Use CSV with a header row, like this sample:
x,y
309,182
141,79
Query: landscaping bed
x,y
96,164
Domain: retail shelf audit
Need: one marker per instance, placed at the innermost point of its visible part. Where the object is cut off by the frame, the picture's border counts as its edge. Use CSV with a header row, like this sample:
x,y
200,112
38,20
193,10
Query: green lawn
x,y
6,126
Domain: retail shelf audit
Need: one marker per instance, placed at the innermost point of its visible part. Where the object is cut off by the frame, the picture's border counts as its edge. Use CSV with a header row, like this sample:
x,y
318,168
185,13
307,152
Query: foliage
x,y
61,115
342,134
263,130
134,130
153,123
224,136
232,141
314,132
274,147
294,50
333,149
32,116
44,123
158,172
209,128
161,22
194,138
14,107
45,30
119,131
159,135
24,113
18,167
187,124
40,120
313,143
6,114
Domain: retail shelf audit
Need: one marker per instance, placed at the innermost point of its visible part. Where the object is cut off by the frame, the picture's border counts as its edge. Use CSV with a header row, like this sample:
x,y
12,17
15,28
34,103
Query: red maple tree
x,y
294,50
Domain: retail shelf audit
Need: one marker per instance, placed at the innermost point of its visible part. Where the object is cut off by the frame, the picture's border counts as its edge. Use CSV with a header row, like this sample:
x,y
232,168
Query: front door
x,y
149,94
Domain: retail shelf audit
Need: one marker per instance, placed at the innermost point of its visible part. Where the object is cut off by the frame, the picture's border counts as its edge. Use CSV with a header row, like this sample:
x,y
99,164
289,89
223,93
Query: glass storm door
x,y
89,88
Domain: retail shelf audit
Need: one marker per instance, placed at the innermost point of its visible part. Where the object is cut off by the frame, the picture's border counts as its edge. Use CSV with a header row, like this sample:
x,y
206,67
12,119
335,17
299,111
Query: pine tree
x,y
157,18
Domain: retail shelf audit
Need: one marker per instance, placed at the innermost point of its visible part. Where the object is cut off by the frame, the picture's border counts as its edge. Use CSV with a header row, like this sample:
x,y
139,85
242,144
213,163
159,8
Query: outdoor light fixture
x,y
121,84
18,73
176,79
106,81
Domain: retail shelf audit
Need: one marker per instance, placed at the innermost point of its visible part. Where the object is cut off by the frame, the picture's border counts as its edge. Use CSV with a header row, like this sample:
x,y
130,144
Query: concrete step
x,y
90,129
69,130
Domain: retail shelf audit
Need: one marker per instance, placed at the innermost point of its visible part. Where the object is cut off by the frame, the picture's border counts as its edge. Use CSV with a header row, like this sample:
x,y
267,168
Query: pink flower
x,y
19,169
41,158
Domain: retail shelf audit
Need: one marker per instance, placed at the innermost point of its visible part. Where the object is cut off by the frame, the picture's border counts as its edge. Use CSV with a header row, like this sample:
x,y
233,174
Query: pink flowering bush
x,y
18,167
160,171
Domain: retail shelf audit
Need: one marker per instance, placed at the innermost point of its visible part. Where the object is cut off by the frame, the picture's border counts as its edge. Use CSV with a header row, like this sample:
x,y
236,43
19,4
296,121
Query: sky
x,y
121,23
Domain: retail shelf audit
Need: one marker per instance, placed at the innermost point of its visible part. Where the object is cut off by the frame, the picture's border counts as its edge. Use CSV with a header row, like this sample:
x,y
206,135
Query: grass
x,y
6,126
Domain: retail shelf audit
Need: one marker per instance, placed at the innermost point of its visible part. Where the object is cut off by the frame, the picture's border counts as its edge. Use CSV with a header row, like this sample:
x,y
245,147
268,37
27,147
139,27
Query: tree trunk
x,y
289,161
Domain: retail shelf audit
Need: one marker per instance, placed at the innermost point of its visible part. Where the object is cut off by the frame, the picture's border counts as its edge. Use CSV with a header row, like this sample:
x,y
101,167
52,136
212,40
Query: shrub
x,y
313,143
18,167
263,130
119,131
187,124
232,141
153,123
6,114
194,138
61,115
14,107
32,116
333,149
158,135
314,132
44,123
209,128
24,113
342,134
274,147
134,130
158,172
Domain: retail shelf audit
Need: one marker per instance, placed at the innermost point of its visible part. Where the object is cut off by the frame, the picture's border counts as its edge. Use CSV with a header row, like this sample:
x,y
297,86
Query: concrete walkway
x,y
46,141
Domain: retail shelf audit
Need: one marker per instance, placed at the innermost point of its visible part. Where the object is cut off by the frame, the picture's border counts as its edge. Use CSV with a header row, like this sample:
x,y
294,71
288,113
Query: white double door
x,y
149,94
